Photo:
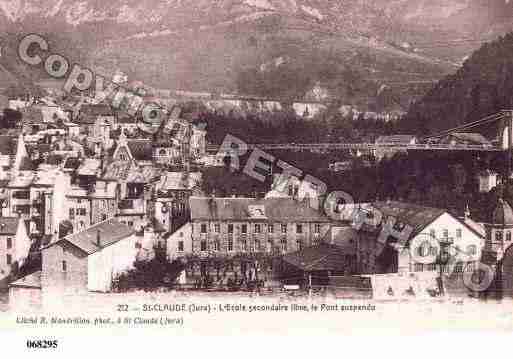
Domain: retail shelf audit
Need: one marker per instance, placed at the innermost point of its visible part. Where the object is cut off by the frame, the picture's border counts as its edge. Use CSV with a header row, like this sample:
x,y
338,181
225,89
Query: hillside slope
x,y
483,86
351,47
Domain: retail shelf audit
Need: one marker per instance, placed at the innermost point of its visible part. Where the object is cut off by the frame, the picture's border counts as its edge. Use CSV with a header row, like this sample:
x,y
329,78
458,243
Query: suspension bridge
x,y
501,142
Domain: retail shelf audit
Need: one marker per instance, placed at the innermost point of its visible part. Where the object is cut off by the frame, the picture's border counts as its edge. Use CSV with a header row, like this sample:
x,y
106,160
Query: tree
x,y
11,118
150,274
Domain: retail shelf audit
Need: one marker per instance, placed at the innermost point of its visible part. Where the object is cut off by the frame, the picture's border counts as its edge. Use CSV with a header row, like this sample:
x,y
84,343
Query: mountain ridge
x,y
208,44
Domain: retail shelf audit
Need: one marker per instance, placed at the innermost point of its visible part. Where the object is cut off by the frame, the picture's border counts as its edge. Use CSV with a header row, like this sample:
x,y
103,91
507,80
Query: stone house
x,y
227,226
89,260
78,264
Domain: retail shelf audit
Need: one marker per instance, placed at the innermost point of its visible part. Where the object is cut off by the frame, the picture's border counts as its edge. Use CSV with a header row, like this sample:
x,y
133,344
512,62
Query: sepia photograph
x,y
232,167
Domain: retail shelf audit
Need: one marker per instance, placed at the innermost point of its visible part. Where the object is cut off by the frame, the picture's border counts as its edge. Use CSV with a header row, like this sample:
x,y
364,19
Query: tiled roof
x,y
321,257
117,170
109,232
130,172
96,110
141,150
89,167
127,120
32,115
46,175
8,225
476,227
238,209
176,181
72,163
413,215
21,181
90,112
30,281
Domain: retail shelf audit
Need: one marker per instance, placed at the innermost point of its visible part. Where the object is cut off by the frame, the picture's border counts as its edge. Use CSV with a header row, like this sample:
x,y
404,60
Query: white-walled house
x,y
14,244
179,244
89,260
427,224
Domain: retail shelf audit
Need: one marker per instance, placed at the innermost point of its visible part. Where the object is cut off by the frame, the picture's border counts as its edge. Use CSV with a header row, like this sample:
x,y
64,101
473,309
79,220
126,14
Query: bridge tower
x,y
506,139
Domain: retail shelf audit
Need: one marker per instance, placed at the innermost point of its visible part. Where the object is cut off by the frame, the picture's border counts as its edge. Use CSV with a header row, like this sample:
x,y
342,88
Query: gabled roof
x,y
130,172
141,150
127,120
32,115
108,232
179,181
90,112
321,257
117,170
8,225
89,167
30,281
72,163
410,214
96,110
238,209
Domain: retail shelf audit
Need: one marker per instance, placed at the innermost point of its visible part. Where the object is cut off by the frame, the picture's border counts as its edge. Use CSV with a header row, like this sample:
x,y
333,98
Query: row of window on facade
x,y
254,245
258,228
77,211
21,195
499,237
445,233
457,268
425,250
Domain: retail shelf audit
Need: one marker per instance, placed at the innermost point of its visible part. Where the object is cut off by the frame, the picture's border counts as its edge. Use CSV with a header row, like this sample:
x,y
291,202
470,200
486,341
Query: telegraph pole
x,y
510,143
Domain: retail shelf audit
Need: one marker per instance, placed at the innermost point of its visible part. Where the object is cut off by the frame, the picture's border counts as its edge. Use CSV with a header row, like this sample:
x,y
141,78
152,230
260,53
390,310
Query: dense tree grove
x,y
430,179
284,126
482,86
149,274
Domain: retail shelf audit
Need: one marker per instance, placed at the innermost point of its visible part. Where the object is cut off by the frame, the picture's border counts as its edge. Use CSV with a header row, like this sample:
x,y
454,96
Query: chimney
x,y
212,202
149,237
255,192
467,212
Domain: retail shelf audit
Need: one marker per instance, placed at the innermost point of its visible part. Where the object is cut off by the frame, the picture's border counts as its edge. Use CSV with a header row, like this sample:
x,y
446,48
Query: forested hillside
x,y
482,86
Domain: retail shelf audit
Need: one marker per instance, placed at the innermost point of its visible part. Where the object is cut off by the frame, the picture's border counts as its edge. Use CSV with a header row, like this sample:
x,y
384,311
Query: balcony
x,y
446,241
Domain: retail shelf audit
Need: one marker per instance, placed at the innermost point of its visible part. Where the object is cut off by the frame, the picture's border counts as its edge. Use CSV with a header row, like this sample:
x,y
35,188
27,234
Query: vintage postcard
x,y
214,168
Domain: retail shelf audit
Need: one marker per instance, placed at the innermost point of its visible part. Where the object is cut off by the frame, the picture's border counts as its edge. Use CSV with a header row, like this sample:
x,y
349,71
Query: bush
x,y
149,274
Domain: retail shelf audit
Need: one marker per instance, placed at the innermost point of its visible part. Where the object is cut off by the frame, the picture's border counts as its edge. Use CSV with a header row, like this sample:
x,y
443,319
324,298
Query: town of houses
x,y
85,194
